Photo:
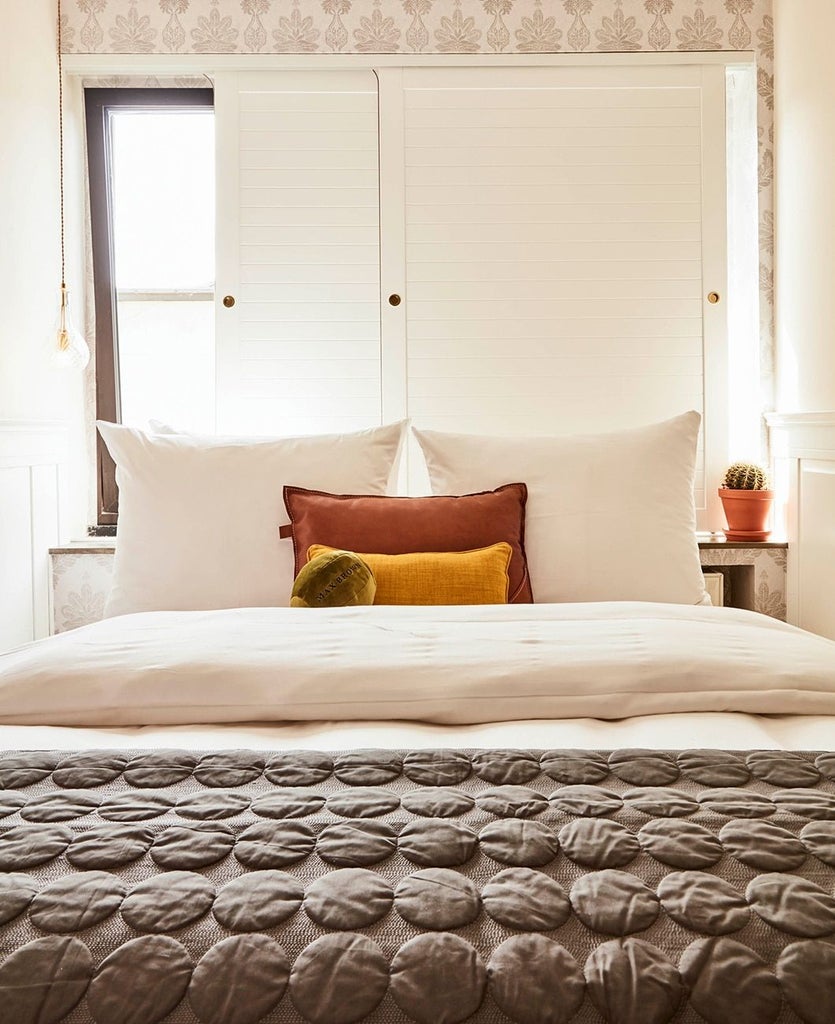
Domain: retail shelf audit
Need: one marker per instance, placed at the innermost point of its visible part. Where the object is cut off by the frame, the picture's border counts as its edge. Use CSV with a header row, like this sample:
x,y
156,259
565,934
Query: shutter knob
x,y
229,301
394,300
713,298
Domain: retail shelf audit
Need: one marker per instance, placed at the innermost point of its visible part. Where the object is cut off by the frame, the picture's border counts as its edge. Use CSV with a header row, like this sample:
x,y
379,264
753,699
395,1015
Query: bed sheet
x,y
726,731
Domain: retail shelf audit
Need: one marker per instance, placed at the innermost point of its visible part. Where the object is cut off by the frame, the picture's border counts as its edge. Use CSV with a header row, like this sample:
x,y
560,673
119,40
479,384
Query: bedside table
x,y
80,577
753,575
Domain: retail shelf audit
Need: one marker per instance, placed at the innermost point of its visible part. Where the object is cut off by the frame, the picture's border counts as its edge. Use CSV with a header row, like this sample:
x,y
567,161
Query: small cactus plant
x,y
745,476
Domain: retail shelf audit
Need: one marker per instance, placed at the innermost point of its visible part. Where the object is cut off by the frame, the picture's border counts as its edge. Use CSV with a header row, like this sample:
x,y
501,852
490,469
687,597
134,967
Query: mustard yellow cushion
x,y
438,577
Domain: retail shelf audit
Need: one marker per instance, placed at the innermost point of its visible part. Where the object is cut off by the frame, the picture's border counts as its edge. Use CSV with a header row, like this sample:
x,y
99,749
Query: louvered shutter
x,y
562,229
298,250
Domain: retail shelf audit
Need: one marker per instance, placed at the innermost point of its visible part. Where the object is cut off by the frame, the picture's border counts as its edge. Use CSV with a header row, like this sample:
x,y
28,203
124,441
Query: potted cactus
x,y
746,499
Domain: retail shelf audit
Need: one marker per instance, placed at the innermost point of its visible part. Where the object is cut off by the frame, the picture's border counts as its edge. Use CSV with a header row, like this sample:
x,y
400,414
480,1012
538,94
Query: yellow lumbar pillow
x,y
438,577
333,579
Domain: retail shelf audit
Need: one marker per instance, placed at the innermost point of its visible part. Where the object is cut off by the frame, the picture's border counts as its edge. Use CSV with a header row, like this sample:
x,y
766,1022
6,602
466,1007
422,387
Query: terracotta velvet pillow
x,y
399,526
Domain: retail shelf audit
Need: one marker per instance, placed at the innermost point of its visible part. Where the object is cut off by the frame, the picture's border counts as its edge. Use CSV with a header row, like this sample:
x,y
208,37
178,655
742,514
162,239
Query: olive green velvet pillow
x,y
334,579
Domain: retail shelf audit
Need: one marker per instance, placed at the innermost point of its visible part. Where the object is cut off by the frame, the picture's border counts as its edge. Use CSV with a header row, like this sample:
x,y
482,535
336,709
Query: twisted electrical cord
x,y
61,144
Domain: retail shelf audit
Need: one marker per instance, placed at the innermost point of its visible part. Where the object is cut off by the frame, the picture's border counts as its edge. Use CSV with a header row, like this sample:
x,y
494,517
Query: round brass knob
x,y
229,301
394,300
713,298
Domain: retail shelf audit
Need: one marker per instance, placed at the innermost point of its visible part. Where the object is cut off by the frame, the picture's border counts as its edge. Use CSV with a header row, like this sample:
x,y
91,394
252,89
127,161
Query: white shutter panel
x,y
562,229
298,249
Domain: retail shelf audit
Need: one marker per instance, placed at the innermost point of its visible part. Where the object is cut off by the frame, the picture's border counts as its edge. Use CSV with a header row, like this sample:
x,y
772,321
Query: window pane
x,y
163,251
163,199
167,363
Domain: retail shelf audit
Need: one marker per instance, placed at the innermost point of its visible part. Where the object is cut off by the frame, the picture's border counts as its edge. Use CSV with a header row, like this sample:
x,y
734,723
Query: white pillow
x,y
158,427
199,516
610,517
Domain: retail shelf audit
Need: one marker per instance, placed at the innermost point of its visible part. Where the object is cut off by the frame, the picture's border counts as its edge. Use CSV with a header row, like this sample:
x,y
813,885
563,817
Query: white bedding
x,y
720,731
451,666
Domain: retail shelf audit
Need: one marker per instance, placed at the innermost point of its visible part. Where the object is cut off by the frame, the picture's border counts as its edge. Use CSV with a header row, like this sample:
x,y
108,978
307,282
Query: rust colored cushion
x,y
399,526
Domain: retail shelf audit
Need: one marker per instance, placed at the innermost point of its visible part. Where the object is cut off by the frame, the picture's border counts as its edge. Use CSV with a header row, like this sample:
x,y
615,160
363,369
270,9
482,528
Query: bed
x,y
590,810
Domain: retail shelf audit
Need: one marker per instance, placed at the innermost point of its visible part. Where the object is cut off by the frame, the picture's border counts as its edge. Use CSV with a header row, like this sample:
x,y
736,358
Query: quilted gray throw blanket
x,y
435,886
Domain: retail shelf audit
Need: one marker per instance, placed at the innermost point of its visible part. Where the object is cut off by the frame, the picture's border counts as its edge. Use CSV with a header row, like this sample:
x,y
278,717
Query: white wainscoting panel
x,y
32,461
804,447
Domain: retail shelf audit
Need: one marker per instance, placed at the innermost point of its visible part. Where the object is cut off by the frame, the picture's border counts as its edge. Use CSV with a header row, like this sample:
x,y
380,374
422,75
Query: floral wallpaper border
x,y
458,27
412,26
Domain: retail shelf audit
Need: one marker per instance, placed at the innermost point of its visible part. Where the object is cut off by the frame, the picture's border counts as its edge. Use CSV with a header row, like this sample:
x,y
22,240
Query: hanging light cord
x,y
61,144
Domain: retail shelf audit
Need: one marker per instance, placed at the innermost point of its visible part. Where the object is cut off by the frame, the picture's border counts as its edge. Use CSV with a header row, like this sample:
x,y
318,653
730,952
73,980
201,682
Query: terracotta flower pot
x,y
746,513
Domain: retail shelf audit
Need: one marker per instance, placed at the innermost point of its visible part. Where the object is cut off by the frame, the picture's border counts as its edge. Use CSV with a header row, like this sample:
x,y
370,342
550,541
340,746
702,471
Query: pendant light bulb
x,y
69,349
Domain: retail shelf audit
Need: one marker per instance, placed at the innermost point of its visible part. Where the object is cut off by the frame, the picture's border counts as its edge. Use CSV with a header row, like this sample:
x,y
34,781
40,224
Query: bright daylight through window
x,y
163,256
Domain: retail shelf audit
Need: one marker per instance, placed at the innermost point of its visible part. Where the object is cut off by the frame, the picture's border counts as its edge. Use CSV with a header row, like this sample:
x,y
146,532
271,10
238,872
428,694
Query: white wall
x,y
804,99
30,389
804,432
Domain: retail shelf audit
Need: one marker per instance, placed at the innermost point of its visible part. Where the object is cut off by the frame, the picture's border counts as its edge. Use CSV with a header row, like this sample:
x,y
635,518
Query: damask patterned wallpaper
x,y
456,27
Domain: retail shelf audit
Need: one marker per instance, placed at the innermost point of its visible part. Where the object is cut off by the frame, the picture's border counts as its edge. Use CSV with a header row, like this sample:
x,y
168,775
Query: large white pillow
x,y
199,516
610,517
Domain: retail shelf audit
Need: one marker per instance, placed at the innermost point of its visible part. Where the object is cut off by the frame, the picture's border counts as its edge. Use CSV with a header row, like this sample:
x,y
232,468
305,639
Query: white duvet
x,y
442,665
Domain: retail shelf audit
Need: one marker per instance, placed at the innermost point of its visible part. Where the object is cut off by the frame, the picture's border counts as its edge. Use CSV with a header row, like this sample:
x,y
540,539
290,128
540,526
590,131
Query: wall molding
x,y
173,64
33,461
33,442
802,435
803,445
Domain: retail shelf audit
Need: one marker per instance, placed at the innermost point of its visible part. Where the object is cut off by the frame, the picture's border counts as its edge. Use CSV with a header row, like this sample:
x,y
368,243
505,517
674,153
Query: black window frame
x,y
99,104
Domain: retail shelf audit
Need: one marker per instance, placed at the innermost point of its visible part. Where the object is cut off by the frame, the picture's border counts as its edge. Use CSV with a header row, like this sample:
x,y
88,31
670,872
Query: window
x,y
152,164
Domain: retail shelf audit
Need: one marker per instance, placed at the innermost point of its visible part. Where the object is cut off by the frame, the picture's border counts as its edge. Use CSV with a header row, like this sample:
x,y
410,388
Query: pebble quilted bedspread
x,y
437,886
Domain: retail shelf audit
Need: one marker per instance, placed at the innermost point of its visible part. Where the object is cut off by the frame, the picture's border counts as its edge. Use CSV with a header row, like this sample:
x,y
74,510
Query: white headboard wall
x,y
154,40
515,250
